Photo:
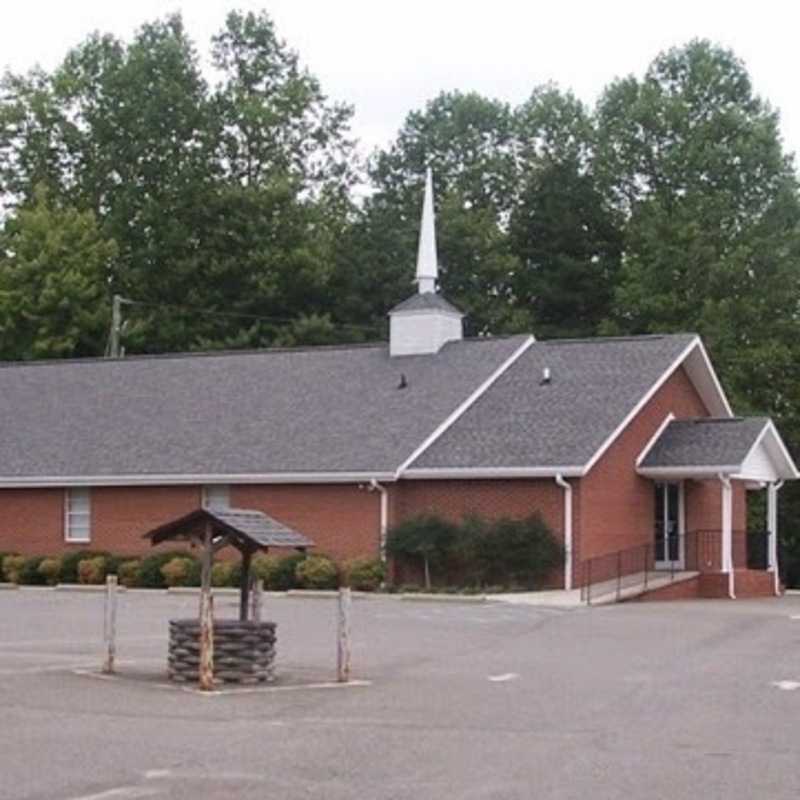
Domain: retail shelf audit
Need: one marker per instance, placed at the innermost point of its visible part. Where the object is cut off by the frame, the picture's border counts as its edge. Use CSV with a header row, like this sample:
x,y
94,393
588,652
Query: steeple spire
x,y
427,265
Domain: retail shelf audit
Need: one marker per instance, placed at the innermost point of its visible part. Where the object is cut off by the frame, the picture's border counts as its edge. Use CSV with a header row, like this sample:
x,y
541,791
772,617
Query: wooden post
x,y
258,599
343,639
206,667
244,584
110,624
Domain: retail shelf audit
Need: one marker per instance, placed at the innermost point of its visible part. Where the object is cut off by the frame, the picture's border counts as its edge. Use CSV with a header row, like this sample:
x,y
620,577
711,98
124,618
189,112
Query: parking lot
x,y
453,701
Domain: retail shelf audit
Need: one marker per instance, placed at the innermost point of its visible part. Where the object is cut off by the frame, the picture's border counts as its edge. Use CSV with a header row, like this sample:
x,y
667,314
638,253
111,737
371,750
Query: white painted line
x,y
122,793
787,686
506,676
795,616
156,774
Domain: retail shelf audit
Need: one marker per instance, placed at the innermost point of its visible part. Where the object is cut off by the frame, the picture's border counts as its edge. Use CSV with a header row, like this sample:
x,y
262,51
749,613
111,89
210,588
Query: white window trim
x,y
70,517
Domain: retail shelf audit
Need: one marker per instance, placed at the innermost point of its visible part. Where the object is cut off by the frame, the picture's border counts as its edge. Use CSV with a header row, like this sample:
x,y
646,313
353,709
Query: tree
x,y
562,230
693,159
54,267
427,537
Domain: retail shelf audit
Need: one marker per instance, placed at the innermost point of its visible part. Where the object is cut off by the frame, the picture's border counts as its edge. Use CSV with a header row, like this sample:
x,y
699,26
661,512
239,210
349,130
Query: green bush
x,y
517,552
263,567
284,575
50,570
178,571
128,572
12,568
70,561
92,570
365,574
317,572
149,575
226,574
3,556
427,538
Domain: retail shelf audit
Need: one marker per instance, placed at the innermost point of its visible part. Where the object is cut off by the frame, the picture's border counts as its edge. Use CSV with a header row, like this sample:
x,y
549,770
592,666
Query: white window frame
x,y
78,509
216,495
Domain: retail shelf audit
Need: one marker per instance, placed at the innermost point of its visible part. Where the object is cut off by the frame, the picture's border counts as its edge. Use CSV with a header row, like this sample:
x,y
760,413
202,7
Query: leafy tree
x,y
273,118
427,537
54,266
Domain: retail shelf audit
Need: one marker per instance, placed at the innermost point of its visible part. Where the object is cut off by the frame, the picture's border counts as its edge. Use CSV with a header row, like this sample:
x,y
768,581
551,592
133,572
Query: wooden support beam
x,y
110,624
244,584
343,636
206,669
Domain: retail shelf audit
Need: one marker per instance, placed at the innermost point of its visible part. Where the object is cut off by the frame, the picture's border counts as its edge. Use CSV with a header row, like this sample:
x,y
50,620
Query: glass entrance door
x,y
668,526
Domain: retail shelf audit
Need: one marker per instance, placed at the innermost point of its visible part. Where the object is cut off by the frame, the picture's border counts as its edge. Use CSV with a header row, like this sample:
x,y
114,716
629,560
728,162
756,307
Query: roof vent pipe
x,y
545,376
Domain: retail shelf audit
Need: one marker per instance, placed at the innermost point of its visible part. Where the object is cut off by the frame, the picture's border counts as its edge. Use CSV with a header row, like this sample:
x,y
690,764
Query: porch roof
x,y
749,448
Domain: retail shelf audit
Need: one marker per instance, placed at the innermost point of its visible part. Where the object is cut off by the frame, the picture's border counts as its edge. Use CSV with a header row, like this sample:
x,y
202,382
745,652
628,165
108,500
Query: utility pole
x,y
114,348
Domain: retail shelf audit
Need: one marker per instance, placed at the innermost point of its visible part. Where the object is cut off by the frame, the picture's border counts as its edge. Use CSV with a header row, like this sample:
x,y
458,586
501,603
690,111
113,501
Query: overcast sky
x,y
387,58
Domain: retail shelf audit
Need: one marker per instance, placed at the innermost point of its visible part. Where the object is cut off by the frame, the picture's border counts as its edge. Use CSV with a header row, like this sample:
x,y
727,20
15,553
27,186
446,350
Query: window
x,y
217,496
77,516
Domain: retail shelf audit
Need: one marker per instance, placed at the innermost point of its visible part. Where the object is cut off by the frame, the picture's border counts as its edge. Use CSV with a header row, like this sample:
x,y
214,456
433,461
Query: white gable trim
x,y
654,438
694,346
748,470
471,400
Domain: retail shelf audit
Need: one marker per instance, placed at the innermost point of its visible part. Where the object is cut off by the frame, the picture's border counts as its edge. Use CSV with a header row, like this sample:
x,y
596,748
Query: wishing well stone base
x,y
244,652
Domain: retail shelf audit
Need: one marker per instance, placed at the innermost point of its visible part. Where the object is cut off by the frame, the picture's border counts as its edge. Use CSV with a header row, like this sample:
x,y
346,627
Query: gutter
x,y
567,487
727,535
374,486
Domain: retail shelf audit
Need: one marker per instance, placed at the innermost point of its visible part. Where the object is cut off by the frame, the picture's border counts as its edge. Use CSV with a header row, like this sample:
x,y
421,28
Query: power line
x,y
238,315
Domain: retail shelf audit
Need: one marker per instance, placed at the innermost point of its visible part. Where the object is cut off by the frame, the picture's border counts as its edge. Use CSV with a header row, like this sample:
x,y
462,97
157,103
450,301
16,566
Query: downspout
x,y
727,533
567,487
773,534
374,486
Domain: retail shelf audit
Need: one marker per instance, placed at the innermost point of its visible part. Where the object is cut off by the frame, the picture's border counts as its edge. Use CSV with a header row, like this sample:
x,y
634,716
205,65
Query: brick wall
x,y
619,503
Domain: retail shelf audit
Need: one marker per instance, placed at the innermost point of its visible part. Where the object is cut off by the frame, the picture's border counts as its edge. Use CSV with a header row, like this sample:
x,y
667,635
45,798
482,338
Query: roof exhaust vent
x,y
545,376
403,381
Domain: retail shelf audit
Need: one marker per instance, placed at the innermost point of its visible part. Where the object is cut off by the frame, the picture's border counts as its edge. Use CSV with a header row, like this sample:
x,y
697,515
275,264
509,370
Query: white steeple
x,y
427,265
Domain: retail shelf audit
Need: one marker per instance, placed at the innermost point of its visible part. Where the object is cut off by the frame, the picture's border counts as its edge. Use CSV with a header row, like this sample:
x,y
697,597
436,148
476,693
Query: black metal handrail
x,y
635,567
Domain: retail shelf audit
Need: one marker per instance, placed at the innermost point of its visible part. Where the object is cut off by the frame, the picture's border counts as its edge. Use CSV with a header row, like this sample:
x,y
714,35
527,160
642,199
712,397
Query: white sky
x,y
387,58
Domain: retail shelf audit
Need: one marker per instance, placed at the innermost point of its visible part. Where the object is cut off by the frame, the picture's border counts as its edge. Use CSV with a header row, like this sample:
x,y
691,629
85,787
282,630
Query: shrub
x,y
226,573
520,552
50,570
365,574
92,570
2,556
263,567
69,563
284,575
128,572
317,572
178,571
427,537
149,575
12,568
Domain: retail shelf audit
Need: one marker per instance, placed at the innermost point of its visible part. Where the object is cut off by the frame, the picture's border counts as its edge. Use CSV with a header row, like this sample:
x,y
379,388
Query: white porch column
x,y
772,529
727,534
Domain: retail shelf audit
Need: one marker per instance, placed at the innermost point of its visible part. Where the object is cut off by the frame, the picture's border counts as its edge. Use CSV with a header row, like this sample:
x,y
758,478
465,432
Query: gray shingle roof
x,y
309,410
426,301
522,422
248,528
705,442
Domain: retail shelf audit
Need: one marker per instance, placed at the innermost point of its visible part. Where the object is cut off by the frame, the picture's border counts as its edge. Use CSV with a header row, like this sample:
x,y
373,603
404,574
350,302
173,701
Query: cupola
x,y
425,322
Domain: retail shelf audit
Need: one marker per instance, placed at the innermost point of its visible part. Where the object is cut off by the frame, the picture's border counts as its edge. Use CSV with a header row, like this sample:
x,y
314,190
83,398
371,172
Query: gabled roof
x,y
332,413
748,447
477,408
524,422
426,301
245,528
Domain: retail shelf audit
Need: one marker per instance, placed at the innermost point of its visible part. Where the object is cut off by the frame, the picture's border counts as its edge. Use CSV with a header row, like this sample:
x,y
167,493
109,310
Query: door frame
x,y
680,561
